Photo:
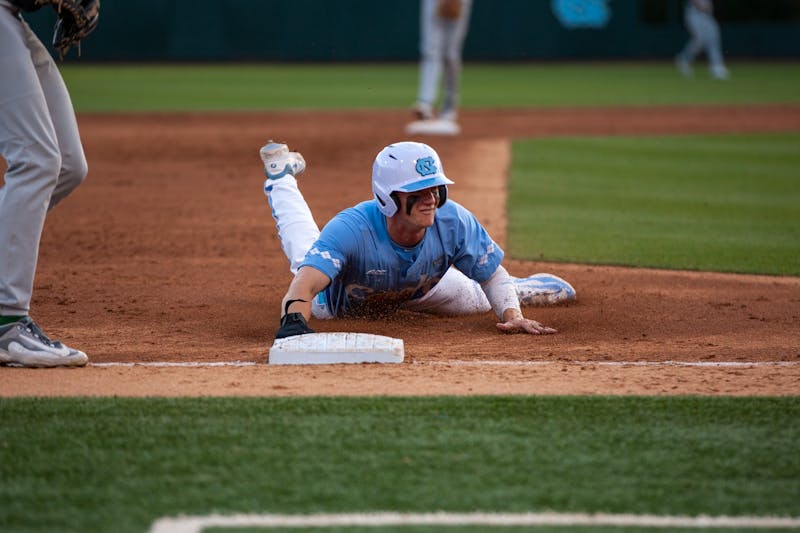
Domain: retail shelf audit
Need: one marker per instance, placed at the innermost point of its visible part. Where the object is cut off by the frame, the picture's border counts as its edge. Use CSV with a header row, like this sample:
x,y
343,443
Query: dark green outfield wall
x,y
387,30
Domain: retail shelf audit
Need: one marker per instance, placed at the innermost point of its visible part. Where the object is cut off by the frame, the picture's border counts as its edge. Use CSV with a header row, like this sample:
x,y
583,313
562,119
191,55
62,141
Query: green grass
x,y
103,464
236,87
721,203
504,529
477,529
302,86
642,84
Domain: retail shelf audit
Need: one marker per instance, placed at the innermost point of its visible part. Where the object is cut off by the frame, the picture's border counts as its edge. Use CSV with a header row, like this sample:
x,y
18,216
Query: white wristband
x,y
501,292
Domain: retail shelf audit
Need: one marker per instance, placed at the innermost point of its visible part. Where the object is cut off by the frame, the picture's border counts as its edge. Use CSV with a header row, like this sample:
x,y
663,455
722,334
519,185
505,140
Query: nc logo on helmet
x,y
426,166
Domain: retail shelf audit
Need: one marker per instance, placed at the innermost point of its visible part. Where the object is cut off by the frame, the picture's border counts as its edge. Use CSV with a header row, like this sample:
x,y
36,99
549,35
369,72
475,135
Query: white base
x,y
433,127
334,348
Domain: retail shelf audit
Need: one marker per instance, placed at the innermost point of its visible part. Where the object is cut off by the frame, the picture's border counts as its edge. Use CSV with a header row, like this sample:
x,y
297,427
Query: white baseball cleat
x,y
280,162
719,72
543,289
423,111
448,115
23,343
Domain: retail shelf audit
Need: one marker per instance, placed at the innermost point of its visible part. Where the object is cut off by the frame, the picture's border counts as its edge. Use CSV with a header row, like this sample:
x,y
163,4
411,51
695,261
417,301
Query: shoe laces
x,y
34,329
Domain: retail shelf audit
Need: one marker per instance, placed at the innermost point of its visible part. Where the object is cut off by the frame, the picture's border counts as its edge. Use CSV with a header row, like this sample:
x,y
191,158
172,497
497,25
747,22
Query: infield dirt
x,y
168,253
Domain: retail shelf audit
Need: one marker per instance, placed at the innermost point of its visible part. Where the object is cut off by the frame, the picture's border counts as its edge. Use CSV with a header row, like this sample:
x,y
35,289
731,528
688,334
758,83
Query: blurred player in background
x,y
443,28
704,34
408,248
40,142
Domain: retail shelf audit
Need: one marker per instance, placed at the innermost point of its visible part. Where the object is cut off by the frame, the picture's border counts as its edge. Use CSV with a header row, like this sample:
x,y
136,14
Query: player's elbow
x,y
308,282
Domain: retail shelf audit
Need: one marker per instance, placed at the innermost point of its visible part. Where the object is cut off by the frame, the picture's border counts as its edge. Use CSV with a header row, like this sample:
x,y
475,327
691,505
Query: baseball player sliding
x,y
409,248
40,142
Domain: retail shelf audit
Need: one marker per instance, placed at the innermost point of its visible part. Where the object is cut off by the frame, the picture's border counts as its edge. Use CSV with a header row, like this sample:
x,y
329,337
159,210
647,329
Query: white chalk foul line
x,y
730,364
182,364
734,364
196,524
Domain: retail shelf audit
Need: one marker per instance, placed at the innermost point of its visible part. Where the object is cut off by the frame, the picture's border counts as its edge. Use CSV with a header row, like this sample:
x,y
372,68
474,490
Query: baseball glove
x,y
449,9
76,20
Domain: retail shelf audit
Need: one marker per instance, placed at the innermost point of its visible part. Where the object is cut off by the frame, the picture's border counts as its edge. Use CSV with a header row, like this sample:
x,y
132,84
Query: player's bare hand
x,y
525,325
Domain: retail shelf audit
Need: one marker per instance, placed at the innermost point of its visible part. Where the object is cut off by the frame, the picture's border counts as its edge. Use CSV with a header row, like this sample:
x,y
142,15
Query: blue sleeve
x,y
330,251
476,254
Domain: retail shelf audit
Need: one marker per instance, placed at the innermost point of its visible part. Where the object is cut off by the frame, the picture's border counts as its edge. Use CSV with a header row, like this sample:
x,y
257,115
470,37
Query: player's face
x,y
419,206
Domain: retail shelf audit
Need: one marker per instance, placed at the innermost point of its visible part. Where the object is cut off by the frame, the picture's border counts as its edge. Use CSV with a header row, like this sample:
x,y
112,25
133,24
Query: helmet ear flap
x,y
442,195
387,204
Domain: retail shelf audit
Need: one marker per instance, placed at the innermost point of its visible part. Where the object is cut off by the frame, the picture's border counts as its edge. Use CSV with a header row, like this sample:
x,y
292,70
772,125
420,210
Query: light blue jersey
x,y
371,275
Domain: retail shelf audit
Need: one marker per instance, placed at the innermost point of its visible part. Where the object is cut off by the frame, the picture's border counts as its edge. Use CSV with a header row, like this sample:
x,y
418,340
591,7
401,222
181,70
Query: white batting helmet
x,y
406,167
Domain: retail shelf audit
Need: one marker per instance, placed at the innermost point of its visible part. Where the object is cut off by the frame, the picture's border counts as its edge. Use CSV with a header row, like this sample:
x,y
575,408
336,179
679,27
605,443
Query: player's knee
x,y
41,164
452,62
74,169
432,54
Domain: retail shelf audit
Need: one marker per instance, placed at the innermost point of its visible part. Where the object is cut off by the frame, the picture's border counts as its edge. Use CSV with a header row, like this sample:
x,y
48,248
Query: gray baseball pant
x,y
705,36
441,46
40,143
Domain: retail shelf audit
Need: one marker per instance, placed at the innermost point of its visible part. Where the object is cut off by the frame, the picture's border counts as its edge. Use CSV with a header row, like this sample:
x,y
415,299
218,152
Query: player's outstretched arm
x,y
296,304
